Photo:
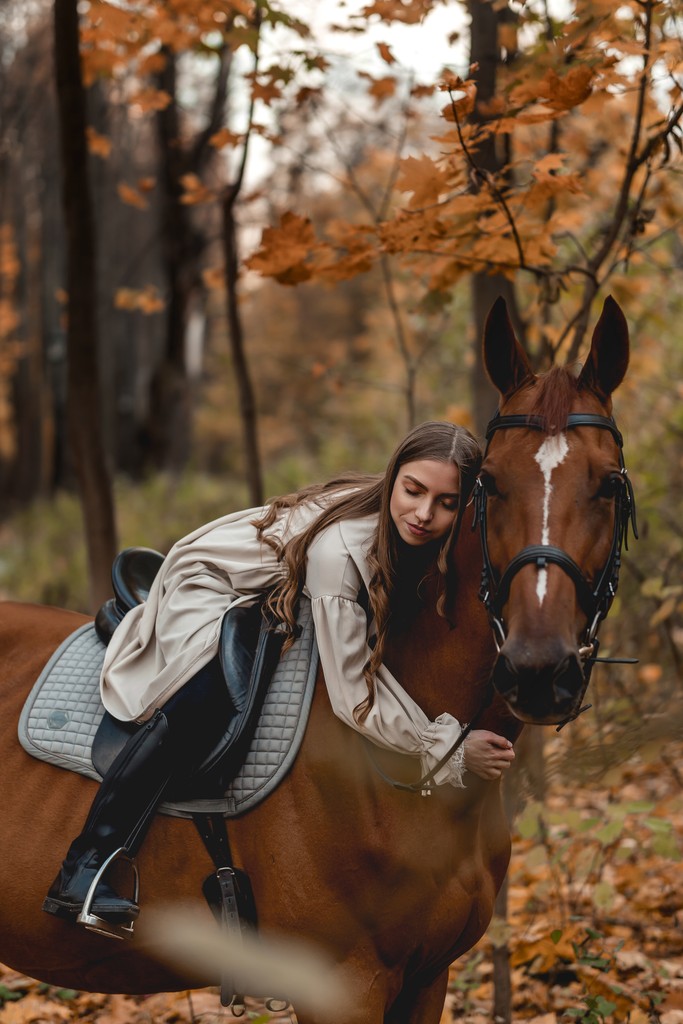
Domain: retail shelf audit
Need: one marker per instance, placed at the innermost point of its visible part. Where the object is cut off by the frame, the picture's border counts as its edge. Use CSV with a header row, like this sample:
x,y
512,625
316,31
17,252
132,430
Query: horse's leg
x,y
362,987
424,1006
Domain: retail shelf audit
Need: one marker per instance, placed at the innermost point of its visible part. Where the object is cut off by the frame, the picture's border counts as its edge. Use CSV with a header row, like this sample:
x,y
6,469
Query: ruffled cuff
x,y
456,768
443,733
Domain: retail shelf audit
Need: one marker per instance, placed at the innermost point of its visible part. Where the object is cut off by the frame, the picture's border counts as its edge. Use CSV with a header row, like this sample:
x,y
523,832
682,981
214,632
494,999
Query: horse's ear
x,y
505,359
607,360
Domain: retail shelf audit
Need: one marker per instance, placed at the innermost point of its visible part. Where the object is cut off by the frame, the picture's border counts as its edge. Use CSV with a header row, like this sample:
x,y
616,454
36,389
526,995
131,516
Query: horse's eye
x,y
609,486
489,484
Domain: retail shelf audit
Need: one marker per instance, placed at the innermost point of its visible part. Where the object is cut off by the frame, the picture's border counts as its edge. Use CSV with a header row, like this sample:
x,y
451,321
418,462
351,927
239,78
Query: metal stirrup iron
x,y
99,924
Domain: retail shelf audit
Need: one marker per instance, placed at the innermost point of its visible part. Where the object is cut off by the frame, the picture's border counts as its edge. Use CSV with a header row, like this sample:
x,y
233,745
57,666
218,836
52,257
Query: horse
x,y
346,853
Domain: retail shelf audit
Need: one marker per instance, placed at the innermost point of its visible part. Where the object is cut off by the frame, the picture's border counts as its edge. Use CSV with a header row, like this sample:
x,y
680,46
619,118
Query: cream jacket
x,y
161,644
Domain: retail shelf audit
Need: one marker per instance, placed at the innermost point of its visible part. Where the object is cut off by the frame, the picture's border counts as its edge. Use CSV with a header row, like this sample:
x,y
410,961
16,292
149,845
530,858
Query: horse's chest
x,y
425,868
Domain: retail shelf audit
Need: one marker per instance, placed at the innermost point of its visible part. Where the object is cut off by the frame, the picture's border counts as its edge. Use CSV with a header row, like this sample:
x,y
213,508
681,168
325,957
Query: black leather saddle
x,y
250,648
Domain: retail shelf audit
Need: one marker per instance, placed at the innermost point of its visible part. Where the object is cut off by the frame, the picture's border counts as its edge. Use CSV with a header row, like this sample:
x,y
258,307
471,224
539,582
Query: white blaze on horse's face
x,y
549,456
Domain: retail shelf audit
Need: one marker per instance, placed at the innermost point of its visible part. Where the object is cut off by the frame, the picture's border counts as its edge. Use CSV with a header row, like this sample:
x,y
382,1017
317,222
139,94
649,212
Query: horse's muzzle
x,y
539,690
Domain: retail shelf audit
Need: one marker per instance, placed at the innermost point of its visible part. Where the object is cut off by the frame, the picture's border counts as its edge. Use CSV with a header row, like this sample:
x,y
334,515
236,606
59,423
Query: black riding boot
x,y
166,748
119,817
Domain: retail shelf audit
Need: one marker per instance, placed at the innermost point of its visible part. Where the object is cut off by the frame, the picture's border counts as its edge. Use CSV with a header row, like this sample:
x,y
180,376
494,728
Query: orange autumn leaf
x,y
99,145
147,300
554,91
380,89
267,92
462,98
148,100
195,192
10,265
385,53
131,196
214,277
224,137
396,10
284,250
547,164
422,177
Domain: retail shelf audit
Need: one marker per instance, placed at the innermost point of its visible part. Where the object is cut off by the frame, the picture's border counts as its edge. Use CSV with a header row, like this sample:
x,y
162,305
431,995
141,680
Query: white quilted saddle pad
x,y
63,711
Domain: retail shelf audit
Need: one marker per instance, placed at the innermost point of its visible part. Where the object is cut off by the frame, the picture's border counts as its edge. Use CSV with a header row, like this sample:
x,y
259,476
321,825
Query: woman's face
x,y
424,500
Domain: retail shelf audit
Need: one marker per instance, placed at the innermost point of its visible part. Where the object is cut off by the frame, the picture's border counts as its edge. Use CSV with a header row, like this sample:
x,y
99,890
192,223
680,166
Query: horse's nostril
x,y
562,694
506,680
567,681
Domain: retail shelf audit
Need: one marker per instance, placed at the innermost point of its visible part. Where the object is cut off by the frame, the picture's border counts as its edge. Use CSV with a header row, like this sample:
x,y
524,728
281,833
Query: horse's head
x,y
554,504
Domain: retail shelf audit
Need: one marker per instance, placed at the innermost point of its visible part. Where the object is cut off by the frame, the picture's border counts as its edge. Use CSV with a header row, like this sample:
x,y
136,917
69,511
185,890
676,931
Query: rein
x,y
424,785
594,598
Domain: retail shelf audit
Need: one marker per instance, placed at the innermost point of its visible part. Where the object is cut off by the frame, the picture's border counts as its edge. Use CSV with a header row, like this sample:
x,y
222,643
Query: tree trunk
x,y
491,156
83,387
252,458
169,425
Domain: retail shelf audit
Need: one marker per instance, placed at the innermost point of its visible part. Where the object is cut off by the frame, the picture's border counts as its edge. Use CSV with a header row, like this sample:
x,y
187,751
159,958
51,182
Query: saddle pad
x,y
63,711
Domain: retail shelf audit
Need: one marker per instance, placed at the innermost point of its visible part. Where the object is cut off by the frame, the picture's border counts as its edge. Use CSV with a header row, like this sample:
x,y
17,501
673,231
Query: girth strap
x,y
228,893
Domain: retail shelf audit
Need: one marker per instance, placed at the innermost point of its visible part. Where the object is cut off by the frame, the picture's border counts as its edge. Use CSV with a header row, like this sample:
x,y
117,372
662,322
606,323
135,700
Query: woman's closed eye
x,y
450,503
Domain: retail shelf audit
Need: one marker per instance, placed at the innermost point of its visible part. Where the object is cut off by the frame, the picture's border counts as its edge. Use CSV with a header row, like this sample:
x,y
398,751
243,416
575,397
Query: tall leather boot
x,y
174,741
119,817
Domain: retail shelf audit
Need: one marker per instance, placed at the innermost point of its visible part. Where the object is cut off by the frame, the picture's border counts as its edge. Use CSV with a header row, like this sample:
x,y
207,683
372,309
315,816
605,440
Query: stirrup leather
x,y
98,924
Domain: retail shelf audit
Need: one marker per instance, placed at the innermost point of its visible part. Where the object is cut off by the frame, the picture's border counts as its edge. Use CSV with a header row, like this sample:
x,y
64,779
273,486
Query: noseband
x,y
595,598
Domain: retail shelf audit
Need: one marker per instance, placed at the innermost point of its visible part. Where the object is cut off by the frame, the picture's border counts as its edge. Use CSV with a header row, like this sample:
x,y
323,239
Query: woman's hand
x,y
487,754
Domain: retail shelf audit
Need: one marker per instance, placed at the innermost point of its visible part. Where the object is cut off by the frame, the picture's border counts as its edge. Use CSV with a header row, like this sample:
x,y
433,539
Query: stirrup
x,y
99,924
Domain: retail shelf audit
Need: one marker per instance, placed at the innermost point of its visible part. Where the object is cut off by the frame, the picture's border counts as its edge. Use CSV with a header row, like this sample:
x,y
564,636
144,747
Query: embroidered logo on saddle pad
x,y
63,712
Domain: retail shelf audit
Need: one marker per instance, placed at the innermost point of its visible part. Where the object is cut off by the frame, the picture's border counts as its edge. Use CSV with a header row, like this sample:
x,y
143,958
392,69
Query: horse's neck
x,y
444,664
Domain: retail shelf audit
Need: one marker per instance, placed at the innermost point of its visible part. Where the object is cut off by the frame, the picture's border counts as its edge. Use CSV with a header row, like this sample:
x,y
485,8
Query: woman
x,y
375,535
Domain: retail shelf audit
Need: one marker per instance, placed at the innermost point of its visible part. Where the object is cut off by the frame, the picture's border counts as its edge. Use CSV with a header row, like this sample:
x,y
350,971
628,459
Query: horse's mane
x,y
555,392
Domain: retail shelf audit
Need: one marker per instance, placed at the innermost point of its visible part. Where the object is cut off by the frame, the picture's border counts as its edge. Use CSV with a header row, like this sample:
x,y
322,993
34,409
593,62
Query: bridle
x,y
596,597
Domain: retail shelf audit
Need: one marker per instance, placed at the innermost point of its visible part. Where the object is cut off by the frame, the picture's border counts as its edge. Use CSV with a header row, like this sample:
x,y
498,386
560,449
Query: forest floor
x,y
593,932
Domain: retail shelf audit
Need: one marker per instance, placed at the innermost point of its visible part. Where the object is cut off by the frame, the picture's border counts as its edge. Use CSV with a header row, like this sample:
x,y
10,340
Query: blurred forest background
x,y
245,245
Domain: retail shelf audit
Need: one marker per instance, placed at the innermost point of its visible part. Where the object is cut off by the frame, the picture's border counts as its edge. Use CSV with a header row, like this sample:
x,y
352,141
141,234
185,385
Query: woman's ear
x,y
607,360
504,358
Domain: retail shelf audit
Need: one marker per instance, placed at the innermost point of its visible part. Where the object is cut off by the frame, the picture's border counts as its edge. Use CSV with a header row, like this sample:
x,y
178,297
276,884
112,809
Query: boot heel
x,y
112,929
51,906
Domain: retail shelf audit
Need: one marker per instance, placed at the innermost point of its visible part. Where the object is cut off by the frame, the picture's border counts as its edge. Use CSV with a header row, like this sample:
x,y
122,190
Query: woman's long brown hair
x,y
356,496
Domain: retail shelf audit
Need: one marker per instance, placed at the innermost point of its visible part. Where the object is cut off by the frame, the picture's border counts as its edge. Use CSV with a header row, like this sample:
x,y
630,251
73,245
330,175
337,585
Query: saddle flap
x,y
249,652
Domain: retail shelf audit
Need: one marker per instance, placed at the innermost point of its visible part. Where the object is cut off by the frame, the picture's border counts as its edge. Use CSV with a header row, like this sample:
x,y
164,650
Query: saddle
x,y
250,649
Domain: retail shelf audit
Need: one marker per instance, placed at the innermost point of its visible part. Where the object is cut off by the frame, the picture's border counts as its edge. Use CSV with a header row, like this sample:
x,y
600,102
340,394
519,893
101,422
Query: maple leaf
x,y
381,89
284,250
350,251
224,137
422,177
408,12
267,92
462,99
556,93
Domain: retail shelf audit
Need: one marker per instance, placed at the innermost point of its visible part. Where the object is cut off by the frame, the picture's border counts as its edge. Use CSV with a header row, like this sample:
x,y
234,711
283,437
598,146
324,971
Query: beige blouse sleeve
x,y
395,721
